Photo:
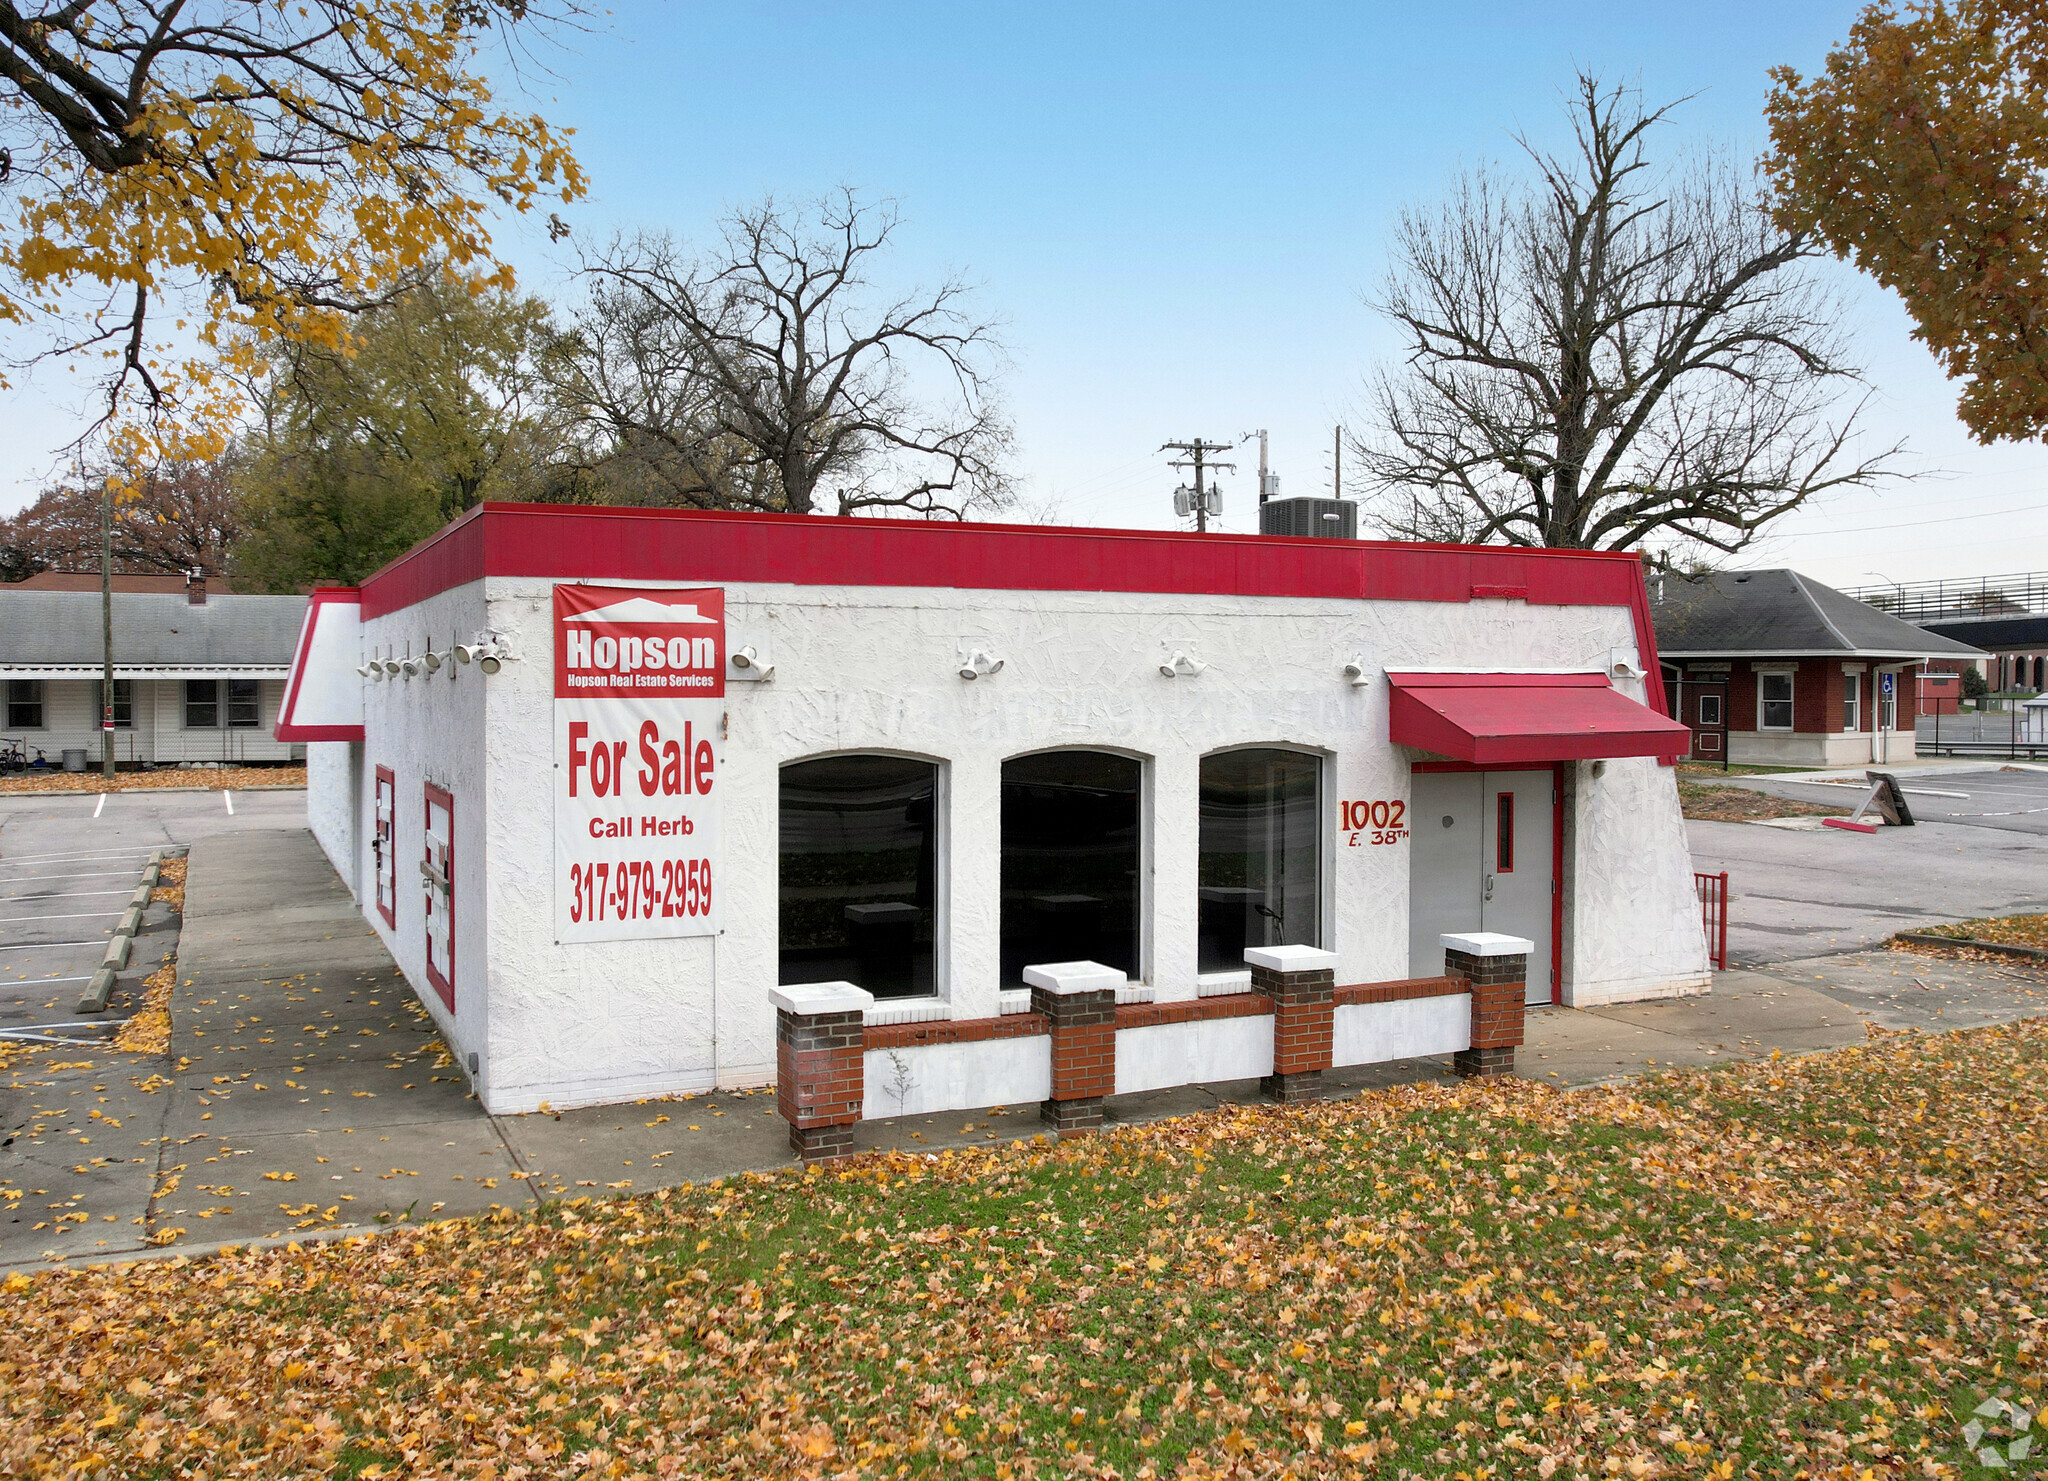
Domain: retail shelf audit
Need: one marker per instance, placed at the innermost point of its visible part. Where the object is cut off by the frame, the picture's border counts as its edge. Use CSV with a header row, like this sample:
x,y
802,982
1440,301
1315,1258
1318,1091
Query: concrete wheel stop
x,y
100,988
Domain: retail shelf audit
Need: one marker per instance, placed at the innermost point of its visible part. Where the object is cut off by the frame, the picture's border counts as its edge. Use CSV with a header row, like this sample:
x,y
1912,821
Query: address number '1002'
x,y
1385,820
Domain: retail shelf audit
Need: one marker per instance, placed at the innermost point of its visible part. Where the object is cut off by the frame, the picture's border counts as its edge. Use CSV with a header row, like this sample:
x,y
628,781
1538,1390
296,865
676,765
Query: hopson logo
x,y
619,643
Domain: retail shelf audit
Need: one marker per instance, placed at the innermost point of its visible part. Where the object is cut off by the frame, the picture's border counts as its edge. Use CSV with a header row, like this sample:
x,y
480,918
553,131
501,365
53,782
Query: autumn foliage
x,y
261,168
1816,1268
1920,153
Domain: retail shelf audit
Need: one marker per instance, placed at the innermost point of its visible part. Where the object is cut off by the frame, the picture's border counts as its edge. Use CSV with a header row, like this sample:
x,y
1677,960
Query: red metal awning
x,y
1513,719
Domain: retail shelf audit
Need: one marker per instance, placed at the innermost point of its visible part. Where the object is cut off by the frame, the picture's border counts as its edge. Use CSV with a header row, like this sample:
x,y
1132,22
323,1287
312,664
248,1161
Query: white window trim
x,y
1790,677
1852,684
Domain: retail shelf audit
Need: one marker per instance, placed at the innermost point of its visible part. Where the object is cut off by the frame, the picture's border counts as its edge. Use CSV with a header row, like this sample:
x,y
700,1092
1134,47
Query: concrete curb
x,y
2000,948
101,986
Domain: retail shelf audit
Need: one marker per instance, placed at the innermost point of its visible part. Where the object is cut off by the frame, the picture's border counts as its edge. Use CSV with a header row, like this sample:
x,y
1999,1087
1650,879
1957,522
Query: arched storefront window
x,y
1261,854
1071,843
858,873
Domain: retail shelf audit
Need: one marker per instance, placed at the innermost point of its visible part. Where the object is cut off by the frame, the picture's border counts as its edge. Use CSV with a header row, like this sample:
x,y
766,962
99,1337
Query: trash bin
x,y
74,758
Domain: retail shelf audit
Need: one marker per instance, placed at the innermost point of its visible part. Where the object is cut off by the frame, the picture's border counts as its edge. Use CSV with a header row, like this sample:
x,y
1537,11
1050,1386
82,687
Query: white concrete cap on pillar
x,y
1488,943
1291,958
821,997
1066,977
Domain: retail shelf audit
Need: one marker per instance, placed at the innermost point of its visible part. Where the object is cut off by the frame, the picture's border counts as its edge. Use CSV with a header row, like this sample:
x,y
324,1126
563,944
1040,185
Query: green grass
x,y
1786,1268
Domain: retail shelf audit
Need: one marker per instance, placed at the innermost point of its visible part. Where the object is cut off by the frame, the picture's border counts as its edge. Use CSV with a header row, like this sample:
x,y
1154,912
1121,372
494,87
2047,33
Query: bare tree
x,y
1617,353
772,375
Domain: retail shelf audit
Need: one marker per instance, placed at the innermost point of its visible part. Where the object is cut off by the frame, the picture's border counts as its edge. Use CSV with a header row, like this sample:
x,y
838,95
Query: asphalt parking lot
x,y
68,862
1806,892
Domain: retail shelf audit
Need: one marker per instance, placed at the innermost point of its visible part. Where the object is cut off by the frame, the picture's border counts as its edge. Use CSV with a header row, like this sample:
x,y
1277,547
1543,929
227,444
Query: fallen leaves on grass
x,y
1740,805
227,778
1812,1267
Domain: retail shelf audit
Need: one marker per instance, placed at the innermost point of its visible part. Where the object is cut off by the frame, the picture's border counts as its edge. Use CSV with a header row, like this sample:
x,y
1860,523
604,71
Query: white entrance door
x,y
437,878
1482,858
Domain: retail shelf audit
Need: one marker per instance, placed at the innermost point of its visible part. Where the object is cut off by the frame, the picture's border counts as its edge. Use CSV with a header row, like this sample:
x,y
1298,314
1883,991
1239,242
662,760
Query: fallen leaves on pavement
x,y
2005,930
148,1031
1813,1267
223,778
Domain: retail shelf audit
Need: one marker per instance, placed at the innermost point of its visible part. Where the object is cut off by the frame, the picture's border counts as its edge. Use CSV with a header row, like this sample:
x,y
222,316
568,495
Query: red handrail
x,y
1713,893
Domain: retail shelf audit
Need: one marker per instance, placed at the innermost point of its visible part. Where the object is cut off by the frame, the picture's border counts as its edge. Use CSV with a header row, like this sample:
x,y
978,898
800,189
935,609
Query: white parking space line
x,y
72,895
15,920
229,799
100,804
39,878
105,853
49,945
39,981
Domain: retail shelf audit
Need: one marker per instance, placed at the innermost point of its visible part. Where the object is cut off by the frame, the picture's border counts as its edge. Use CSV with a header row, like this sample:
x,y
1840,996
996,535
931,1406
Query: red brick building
x,y
1771,668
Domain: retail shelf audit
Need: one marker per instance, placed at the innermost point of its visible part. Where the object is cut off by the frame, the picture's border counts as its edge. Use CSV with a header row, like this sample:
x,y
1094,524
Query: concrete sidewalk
x,y
307,1091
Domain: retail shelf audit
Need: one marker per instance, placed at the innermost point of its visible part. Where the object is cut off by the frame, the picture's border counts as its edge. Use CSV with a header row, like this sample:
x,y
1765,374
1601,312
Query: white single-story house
x,y
616,786
196,677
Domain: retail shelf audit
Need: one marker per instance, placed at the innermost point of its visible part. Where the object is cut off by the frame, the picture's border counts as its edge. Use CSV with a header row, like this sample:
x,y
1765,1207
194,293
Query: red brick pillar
x,y
1302,982
820,1071
1079,1000
1496,969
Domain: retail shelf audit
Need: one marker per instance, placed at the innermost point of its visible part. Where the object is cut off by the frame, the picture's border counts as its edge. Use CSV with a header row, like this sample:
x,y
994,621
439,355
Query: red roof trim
x,y
285,730
621,545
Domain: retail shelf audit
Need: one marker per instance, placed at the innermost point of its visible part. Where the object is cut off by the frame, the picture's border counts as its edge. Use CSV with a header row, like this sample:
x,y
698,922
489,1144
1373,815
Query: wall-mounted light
x,y
489,658
411,668
1356,674
979,663
432,660
1181,665
1621,664
748,664
371,670
390,668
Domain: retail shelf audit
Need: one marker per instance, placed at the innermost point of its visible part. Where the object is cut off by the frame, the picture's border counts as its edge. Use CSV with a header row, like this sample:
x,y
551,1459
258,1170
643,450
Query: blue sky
x,y
1175,209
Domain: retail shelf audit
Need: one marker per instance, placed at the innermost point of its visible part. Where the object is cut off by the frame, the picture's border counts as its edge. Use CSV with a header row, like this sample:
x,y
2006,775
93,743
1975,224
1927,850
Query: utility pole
x,y
1197,458
107,631
1265,489
1337,449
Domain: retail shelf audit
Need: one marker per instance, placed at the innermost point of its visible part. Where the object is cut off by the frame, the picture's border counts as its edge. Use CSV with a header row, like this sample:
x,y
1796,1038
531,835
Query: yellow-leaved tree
x,y
184,183
1920,152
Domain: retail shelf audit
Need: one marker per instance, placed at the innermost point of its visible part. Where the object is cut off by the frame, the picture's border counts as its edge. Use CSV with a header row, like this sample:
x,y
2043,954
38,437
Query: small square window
x,y
1710,709
202,704
1774,692
24,704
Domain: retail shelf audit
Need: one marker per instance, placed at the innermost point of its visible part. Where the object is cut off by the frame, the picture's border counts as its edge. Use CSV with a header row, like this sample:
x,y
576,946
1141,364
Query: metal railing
x,y
1713,893
2016,595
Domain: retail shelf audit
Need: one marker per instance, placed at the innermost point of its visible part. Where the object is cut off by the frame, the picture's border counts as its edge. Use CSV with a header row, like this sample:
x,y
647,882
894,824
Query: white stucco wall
x,y
952,1077
1373,1033
1164,1054
875,669
1632,916
334,797
431,730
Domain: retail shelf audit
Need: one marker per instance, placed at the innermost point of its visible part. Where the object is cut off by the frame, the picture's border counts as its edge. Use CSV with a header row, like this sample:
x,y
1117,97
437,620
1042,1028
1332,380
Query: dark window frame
x,y
188,699
1226,927
236,693
1080,894
26,696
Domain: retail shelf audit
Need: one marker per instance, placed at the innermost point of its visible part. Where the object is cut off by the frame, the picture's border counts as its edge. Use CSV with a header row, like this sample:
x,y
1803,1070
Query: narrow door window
x,y
1710,709
1070,861
859,862
1852,701
437,882
1504,833
381,847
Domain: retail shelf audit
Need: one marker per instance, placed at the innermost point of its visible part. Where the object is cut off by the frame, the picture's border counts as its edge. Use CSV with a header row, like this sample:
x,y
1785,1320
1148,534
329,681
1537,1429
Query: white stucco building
x,y
921,757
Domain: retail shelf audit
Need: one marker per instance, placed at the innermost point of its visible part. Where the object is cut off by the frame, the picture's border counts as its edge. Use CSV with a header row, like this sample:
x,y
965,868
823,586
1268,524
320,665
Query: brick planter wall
x,y
1078,999
1302,983
820,1075
1496,969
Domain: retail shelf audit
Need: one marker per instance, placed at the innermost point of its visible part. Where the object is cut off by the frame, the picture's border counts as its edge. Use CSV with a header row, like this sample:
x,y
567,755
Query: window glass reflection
x,y
857,873
1260,855
1070,861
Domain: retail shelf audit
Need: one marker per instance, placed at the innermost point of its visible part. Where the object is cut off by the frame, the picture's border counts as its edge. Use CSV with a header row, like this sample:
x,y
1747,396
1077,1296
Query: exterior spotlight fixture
x,y
1355,673
1181,666
370,670
750,665
410,668
467,652
488,658
432,660
980,662
390,668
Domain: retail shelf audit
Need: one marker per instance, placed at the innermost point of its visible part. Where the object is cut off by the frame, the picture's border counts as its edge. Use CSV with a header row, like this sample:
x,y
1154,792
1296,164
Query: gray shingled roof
x,y
151,630
1781,613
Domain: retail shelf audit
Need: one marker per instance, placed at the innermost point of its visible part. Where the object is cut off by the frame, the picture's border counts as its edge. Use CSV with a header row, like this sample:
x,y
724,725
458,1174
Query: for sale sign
x,y
639,710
